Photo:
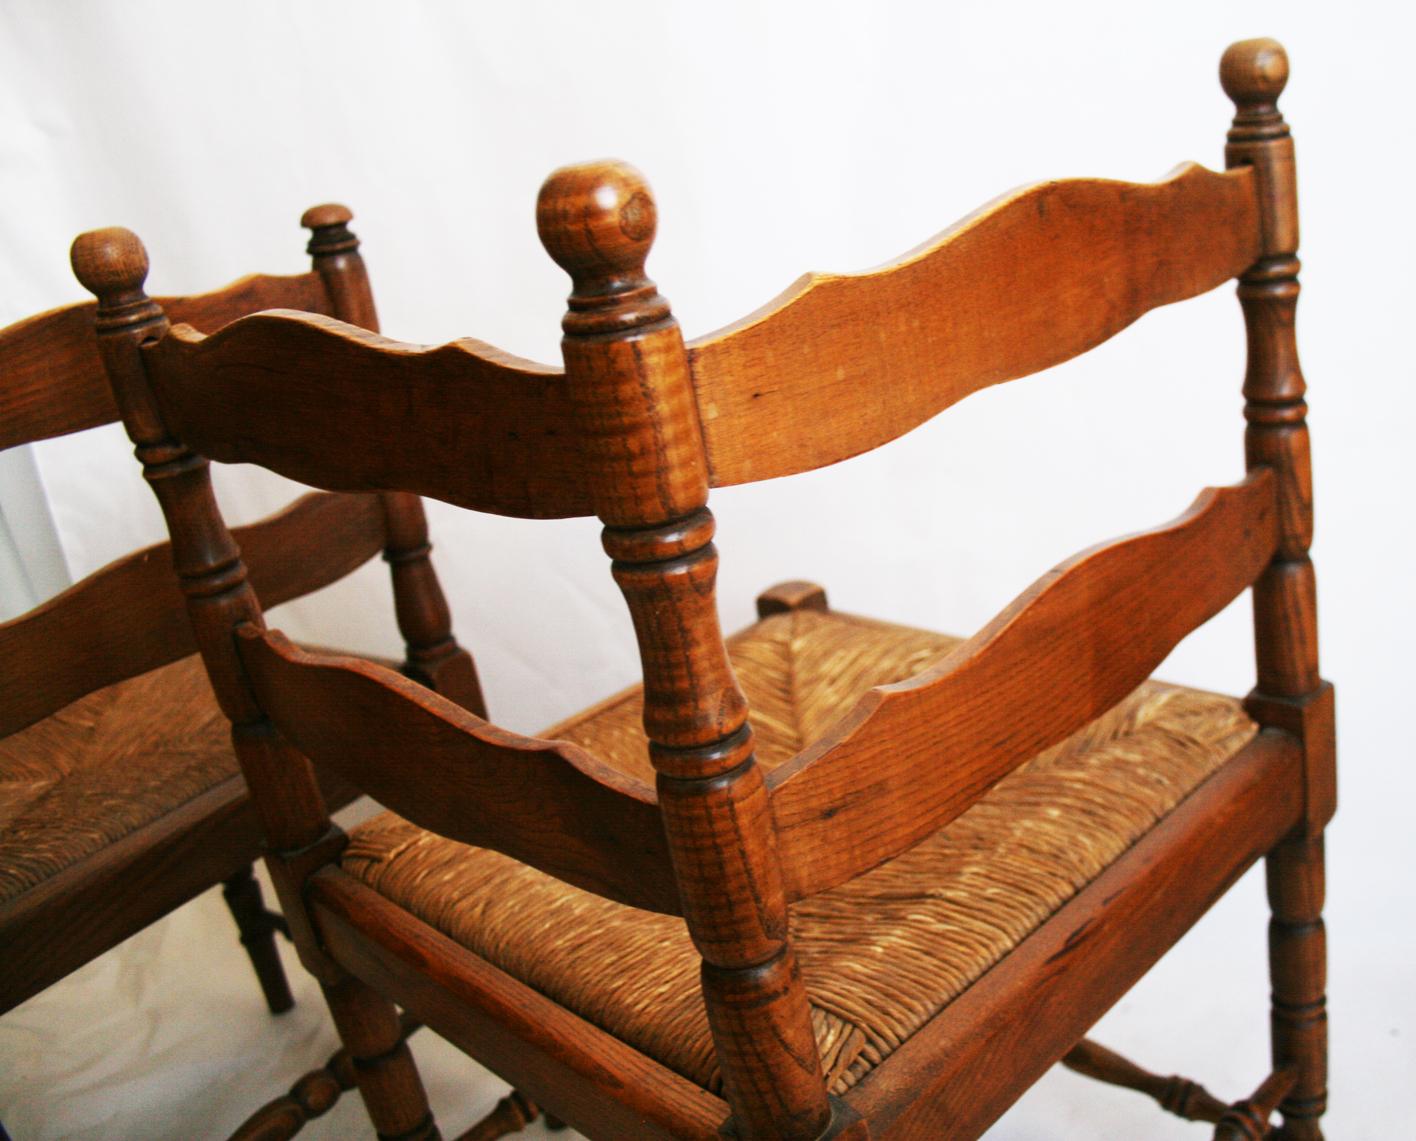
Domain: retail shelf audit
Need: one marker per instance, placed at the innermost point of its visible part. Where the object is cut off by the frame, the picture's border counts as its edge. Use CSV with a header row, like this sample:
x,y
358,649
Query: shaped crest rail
x,y
52,381
912,756
549,804
840,364
131,617
334,406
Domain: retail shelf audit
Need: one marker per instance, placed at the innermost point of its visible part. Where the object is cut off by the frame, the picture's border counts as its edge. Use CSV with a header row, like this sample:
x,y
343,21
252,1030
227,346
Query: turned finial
x,y
329,229
1253,74
1254,71
111,264
597,221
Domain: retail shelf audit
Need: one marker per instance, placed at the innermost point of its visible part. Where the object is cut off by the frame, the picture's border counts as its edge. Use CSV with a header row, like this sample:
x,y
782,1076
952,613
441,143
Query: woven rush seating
x,y
880,955
830,879
106,766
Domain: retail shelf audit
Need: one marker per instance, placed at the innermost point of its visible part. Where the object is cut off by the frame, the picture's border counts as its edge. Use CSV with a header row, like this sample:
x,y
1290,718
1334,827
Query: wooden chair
x,y
121,794
831,877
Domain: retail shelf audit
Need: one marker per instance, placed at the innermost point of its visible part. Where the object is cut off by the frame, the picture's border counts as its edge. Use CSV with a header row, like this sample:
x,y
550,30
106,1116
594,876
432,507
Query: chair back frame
x,y
648,446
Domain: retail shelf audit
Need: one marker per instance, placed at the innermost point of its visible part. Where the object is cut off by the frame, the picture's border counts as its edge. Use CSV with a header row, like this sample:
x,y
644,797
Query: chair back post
x,y
643,450
1290,693
434,657
112,264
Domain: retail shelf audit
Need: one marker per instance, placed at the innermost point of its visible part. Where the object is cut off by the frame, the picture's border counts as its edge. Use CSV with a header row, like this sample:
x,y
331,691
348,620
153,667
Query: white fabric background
x,y
778,138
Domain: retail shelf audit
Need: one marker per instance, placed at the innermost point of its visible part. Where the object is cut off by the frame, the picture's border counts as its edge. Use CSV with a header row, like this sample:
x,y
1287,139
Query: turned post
x,y
1290,694
434,657
639,433
113,265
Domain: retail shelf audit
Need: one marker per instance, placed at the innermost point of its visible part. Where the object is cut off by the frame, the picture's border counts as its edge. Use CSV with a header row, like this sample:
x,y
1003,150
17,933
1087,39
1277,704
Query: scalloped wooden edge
x,y
839,364
911,756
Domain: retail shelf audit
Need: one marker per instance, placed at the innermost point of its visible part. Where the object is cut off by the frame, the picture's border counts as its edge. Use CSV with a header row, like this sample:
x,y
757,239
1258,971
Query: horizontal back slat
x,y
334,406
52,380
549,804
130,616
911,756
839,365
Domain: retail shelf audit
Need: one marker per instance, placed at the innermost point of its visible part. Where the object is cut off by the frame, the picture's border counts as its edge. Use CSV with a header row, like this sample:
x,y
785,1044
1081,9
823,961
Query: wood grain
x,y
911,756
131,616
337,407
546,803
588,1078
840,364
634,410
958,1074
51,376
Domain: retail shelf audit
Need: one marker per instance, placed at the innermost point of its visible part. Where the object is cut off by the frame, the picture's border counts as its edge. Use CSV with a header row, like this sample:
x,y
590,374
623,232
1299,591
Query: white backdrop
x,y
780,138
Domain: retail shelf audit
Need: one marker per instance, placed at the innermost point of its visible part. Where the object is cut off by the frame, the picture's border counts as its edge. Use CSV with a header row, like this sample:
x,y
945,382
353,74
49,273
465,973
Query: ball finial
x,y
597,221
328,214
1254,72
109,263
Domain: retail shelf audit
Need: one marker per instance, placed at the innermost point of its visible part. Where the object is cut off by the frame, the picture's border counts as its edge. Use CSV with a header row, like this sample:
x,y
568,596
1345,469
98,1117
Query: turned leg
x,y
384,1069
1298,969
258,926
510,1115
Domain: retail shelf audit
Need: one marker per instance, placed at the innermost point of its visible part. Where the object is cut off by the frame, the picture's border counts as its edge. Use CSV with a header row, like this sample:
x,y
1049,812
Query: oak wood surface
x,y
1027,282
291,392
565,1064
911,756
647,473
636,430
549,804
958,1074
1289,690
51,376
94,905
130,617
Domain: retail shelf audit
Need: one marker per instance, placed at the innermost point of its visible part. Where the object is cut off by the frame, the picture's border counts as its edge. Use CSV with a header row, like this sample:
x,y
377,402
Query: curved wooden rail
x,y
912,756
549,804
337,407
52,381
130,617
838,365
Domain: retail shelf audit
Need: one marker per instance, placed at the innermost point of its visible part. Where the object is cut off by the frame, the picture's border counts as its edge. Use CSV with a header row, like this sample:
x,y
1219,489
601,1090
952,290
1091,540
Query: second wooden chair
x,y
830,877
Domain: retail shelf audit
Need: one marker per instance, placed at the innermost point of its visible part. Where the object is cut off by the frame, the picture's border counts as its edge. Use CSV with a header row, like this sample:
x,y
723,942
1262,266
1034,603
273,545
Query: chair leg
x,y
384,1070
510,1115
258,925
1298,970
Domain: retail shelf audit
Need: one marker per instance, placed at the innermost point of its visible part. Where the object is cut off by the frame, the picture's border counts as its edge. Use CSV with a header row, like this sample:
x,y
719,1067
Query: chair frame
x,y
742,847
126,619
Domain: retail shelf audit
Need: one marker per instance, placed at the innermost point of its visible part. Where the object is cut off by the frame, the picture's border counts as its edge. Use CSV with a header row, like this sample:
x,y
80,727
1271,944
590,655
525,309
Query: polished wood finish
x,y
130,617
434,657
636,430
256,924
312,1096
958,1074
492,429
125,620
547,803
1175,1094
511,1114
1290,692
642,443
788,596
53,382
558,1060
112,264
1029,281
911,756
